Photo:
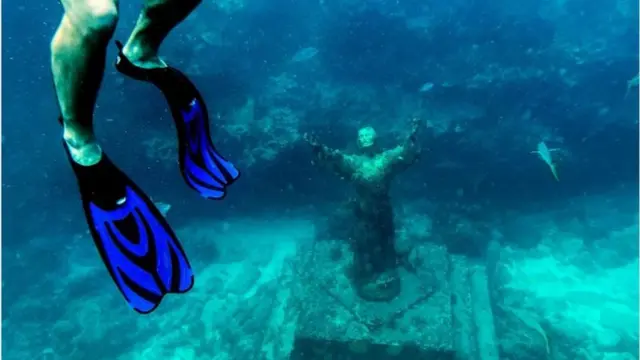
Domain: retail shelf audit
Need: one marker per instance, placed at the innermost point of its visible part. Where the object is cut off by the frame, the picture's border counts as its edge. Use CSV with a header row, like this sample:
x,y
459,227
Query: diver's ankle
x,y
142,55
84,151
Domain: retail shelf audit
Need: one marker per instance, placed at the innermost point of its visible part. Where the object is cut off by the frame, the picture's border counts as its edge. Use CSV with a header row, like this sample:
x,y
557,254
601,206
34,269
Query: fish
x,y
163,208
304,54
426,87
545,155
634,82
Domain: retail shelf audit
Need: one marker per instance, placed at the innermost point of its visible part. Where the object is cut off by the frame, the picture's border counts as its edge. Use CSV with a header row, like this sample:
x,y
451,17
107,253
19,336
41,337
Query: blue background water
x,y
506,75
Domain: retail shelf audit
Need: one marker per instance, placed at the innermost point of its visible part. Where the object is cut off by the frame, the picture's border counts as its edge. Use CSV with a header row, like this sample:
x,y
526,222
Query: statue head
x,y
367,138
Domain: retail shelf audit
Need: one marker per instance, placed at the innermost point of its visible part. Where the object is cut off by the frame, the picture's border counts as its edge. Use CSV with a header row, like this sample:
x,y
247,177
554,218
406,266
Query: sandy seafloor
x,y
580,280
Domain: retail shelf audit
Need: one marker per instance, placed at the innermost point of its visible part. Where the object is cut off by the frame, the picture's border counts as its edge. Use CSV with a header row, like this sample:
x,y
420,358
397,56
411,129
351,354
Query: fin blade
x,y
229,168
147,268
135,242
202,166
204,169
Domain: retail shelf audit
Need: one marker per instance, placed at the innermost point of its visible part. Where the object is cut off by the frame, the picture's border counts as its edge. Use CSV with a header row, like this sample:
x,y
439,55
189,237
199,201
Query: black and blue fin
x,y
201,165
139,248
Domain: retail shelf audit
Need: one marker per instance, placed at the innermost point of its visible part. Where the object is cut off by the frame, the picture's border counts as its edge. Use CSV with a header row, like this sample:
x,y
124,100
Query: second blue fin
x,y
201,165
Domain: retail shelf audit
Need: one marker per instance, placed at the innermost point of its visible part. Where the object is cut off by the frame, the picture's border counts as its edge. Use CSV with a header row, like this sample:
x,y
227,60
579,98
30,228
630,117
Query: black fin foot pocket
x,y
201,165
137,245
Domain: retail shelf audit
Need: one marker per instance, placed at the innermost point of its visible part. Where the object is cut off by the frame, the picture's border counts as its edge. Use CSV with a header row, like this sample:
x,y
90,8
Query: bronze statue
x,y
371,171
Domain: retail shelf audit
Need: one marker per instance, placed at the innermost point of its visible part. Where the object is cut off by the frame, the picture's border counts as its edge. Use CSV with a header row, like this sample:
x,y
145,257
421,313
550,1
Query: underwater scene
x,y
320,180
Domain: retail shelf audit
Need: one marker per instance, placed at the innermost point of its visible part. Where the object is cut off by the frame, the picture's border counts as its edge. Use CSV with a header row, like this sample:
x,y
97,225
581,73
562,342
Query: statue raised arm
x,y
401,157
333,159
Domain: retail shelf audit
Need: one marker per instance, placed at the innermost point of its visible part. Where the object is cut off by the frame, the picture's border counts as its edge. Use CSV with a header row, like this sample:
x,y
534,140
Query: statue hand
x,y
416,123
311,140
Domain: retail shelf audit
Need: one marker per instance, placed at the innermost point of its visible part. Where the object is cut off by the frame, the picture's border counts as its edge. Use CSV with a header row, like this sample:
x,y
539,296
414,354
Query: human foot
x,y
142,56
84,150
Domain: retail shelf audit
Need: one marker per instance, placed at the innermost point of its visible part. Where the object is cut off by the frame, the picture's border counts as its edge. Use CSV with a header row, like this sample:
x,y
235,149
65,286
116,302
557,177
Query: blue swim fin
x,y
139,248
201,165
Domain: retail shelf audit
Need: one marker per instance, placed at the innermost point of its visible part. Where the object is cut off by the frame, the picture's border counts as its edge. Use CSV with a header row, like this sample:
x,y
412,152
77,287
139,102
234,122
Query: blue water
x,y
490,80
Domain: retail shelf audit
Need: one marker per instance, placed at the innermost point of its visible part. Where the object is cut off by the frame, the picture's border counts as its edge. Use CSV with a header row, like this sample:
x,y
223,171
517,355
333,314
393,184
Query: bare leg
x,y
157,19
78,51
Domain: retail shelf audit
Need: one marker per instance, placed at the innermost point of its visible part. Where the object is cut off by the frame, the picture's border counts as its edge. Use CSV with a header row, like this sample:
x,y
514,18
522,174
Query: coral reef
x,y
288,295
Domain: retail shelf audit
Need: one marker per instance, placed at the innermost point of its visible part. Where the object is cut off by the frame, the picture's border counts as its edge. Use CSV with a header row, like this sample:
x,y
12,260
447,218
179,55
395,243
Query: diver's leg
x,y
137,245
156,20
78,51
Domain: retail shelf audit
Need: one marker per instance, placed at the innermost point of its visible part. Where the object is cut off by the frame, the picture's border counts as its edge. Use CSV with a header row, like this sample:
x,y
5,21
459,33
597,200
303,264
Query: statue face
x,y
366,137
